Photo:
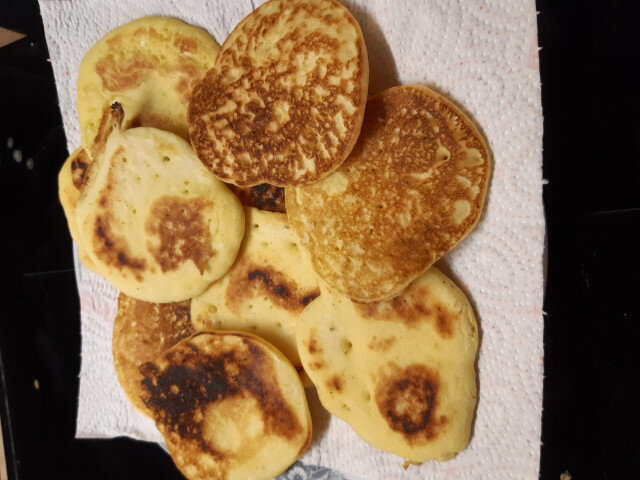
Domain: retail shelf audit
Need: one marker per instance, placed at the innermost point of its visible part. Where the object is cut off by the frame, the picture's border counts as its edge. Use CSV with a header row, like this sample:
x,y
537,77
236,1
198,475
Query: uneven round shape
x,y
141,333
285,101
70,180
400,372
412,188
150,67
229,405
267,288
157,225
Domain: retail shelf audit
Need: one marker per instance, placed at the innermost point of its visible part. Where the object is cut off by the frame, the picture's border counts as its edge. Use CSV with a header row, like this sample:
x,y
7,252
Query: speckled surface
x,y
483,55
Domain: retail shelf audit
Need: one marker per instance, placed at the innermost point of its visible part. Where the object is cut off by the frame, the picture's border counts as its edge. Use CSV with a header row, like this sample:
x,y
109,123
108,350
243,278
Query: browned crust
x,y
255,142
248,279
182,231
142,331
412,168
408,399
414,306
193,377
79,165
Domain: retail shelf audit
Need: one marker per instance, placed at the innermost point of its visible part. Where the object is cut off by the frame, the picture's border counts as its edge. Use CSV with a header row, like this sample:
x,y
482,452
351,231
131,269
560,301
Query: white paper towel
x,y
484,56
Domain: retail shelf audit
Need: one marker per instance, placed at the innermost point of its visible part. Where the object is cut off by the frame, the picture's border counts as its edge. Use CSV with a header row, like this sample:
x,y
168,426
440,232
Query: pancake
x,y
285,101
267,288
229,405
149,66
70,181
157,225
412,188
141,333
399,372
263,197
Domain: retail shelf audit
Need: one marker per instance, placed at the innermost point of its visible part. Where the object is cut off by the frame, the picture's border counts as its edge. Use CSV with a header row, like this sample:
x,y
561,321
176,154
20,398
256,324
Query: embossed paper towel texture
x,y
484,56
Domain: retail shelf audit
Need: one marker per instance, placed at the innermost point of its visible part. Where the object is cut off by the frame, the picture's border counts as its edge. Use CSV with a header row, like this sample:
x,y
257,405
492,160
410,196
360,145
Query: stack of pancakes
x,y
270,228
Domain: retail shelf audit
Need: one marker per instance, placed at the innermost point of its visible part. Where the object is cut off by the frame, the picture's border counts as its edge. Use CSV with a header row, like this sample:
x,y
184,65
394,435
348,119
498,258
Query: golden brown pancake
x,y
155,222
70,180
263,197
285,101
141,333
401,371
150,66
412,188
266,290
229,405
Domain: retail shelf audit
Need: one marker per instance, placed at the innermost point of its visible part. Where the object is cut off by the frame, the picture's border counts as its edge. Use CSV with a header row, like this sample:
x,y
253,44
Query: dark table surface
x,y
591,101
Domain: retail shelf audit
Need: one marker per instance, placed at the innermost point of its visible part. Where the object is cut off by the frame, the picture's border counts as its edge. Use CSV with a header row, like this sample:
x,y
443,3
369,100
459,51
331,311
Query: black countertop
x,y
591,104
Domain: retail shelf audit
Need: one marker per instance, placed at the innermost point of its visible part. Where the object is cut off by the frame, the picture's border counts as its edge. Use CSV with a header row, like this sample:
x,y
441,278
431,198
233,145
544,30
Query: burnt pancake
x,y
149,66
155,222
400,372
229,405
142,332
412,188
285,101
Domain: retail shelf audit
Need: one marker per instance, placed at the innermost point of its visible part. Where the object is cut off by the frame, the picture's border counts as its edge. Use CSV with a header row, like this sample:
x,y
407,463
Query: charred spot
x,y
79,166
263,197
249,280
408,400
113,249
191,381
182,231
335,383
306,300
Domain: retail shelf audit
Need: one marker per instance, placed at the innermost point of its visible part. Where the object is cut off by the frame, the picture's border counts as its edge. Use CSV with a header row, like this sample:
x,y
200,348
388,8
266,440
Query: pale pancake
x,y
267,288
400,372
263,197
229,405
285,101
412,188
157,225
70,181
141,333
150,66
